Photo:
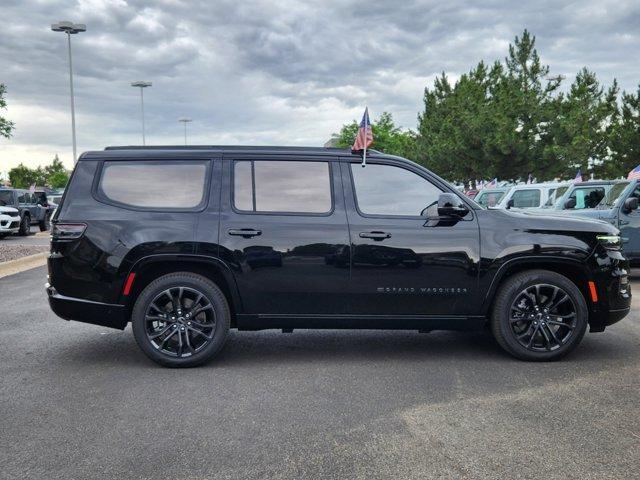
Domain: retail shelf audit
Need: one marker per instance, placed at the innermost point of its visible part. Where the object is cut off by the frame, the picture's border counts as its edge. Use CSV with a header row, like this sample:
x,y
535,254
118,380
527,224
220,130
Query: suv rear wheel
x,y
539,315
181,320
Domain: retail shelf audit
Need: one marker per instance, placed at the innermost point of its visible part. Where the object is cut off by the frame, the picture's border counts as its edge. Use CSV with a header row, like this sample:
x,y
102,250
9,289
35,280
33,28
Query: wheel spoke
x,y
553,335
201,309
179,352
533,336
166,339
153,336
559,302
188,342
560,324
553,297
547,340
201,333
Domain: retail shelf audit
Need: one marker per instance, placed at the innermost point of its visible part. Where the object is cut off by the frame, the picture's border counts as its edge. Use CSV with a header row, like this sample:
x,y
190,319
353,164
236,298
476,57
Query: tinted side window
x,y
390,190
282,186
154,184
526,198
23,198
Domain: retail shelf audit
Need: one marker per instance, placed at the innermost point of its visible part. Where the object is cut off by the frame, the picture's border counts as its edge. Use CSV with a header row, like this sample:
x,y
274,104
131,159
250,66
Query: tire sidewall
x,y
506,297
201,284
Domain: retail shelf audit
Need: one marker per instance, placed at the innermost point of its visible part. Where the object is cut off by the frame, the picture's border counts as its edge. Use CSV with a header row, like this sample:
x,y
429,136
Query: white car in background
x,y
9,221
533,195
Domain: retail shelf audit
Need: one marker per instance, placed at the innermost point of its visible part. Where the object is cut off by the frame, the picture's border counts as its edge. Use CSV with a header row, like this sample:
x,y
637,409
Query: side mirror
x,y
450,205
510,203
569,204
630,204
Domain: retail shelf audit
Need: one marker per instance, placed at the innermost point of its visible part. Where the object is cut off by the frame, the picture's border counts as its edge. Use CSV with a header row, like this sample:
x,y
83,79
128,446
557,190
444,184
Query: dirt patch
x,y
13,252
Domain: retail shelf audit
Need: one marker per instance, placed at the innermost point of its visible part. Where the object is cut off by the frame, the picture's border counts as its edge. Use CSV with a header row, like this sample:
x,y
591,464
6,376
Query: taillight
x,y
67,231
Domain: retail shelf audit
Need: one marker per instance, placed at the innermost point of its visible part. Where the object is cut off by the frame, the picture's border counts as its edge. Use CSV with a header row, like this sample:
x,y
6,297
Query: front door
x,y
284,233
401,264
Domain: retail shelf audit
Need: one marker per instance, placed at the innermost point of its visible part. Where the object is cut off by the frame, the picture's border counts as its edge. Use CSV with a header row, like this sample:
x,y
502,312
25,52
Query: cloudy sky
x,y
275,71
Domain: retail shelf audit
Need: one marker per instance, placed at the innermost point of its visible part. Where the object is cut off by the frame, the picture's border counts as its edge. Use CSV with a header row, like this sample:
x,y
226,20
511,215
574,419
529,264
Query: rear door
x,y
284,233
401,264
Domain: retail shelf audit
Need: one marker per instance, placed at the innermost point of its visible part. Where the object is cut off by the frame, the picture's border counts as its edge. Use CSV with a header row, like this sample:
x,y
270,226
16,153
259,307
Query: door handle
x,y
245,232
624,222
377,236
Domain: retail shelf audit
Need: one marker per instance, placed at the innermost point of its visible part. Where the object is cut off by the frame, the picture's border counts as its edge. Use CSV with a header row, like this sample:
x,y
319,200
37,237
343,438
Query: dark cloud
x,y
273,72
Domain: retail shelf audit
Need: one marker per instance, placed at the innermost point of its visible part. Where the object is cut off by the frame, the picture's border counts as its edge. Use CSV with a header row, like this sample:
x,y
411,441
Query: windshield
x,y
489,198
6,198
559,192
612,197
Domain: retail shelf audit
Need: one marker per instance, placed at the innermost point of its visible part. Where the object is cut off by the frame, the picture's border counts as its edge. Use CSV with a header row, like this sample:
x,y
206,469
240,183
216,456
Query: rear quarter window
x,y
166,185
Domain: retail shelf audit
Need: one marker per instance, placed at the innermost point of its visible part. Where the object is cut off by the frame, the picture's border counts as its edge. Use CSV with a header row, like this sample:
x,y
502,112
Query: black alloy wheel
x,y
539,315
542,317
181,320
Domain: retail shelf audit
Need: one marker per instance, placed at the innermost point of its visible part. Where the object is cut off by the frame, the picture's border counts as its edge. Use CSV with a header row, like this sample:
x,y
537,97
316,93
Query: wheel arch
x,y
151,267
572,269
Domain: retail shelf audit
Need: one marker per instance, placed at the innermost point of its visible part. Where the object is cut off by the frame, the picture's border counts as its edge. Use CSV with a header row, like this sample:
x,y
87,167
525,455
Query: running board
x,y
375,322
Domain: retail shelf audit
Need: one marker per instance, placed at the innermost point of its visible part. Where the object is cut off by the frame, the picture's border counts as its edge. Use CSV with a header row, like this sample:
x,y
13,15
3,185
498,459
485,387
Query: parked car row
x,y
613,201
20,208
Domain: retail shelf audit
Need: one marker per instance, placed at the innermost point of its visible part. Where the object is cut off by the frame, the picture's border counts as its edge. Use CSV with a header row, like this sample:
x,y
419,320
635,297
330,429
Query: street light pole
x,y
70,28
142,86
185,120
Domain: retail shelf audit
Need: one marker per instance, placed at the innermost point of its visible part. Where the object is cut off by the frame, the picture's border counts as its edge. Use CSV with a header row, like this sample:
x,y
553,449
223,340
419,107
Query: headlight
x,y
612,242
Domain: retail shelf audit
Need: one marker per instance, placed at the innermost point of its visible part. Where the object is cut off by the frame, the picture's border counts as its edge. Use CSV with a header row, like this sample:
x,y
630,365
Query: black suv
x,y
186,243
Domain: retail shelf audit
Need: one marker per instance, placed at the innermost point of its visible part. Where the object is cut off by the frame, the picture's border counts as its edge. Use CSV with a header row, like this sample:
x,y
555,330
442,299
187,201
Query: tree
x,y
53,175
582,130
57,175
23,176
6,127
625,136
387,137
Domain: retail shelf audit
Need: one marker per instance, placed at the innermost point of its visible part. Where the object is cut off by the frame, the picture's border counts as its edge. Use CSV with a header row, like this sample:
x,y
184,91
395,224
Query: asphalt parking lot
x,y
80,401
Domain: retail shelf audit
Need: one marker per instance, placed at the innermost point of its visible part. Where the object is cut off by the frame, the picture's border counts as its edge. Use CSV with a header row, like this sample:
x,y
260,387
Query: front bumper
x,y
80,310
9,224
614,291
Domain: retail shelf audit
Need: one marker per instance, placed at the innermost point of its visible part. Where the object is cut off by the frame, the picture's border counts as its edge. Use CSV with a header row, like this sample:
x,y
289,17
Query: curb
x,y
21,264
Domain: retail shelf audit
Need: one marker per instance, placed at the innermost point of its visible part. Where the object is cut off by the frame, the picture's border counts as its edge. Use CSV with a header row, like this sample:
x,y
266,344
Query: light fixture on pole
x,y
70,28
142,86
185,120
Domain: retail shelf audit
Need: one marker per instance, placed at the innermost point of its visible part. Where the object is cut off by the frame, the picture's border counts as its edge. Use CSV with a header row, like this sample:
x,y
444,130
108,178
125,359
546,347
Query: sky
x,y
271,72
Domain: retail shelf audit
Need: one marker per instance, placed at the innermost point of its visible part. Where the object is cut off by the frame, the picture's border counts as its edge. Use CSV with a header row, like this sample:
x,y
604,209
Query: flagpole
x,y
364,152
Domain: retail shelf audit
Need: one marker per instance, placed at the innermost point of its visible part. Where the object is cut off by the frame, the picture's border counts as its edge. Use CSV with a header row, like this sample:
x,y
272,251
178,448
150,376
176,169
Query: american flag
x,y
492,184
634,174
364,138
578,178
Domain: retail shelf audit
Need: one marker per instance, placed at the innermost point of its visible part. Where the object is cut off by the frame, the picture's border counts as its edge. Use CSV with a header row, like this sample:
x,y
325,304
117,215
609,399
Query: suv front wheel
x,y
181,320
25,226
539,315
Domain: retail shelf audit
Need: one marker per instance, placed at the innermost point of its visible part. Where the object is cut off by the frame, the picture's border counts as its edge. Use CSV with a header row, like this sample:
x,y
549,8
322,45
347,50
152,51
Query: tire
x,y
2,236
193,345
532,320
25,226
